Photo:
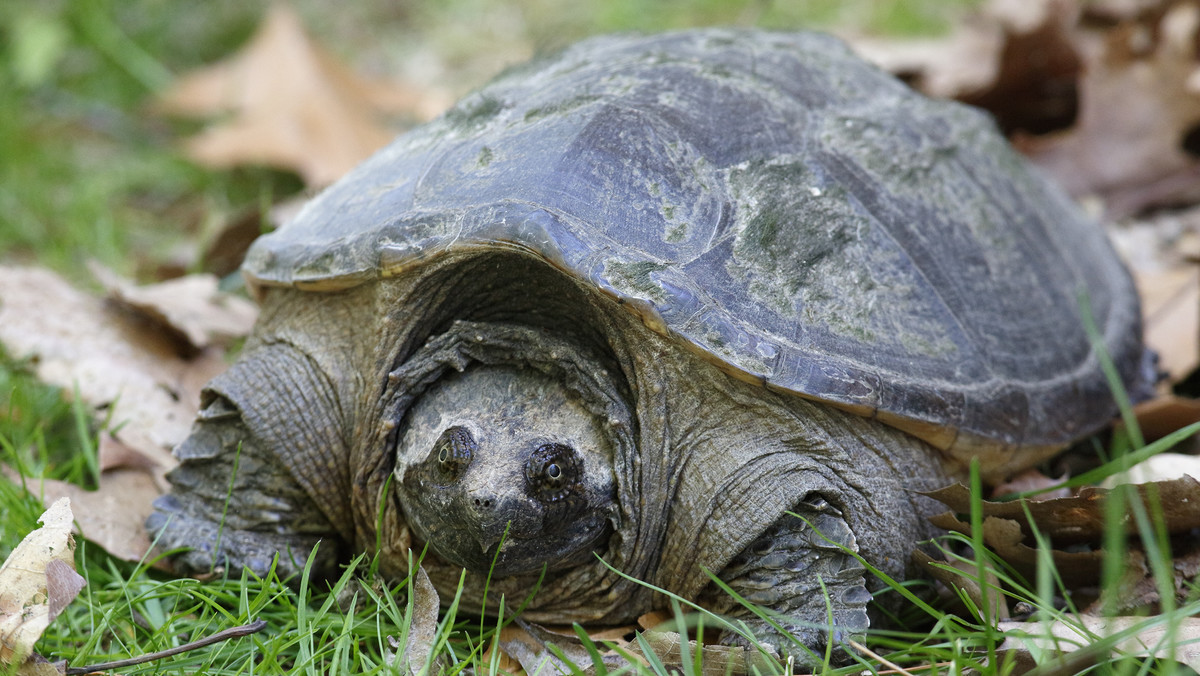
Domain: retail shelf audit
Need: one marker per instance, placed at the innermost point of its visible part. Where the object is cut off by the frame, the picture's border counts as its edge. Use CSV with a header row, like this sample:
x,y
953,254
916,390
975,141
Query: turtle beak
x,y
459,507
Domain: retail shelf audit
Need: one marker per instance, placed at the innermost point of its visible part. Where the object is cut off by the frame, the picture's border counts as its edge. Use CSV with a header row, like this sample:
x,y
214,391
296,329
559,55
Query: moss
x,y
635,279
473,112
534,114
485,157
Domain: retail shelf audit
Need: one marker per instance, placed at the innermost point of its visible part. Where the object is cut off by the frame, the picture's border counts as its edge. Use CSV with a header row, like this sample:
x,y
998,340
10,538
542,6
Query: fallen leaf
x,y
1163,415
37,581
128,369
1171,312
1104,96
112,454
1139,588
113,515
228,246
1153,636
121,364
1081,518
716,659
37,665
293,106
1034,90
1006,538
191,307
963,576
1015,59
422,634
1139,107
1160,468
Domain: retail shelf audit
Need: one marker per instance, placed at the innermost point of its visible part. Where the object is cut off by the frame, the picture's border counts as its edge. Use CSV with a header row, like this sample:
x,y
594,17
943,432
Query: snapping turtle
x,y
716,300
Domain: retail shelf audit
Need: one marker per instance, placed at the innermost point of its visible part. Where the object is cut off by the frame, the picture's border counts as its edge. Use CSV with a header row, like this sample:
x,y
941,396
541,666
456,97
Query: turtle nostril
x,y
483,502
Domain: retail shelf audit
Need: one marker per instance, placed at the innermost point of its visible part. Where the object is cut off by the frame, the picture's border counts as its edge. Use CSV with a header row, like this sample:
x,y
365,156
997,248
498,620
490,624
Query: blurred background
x,y
93,166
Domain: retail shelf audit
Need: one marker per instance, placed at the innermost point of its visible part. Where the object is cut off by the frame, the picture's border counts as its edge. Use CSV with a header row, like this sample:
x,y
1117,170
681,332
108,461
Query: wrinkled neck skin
x,y
700,463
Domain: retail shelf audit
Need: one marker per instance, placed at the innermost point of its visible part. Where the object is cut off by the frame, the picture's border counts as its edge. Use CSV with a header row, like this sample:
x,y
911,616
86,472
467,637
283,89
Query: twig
x,y
870,653
233,632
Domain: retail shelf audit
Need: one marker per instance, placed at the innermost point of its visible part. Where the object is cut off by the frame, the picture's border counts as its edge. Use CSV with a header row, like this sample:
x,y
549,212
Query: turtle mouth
x,y
511,555
478,517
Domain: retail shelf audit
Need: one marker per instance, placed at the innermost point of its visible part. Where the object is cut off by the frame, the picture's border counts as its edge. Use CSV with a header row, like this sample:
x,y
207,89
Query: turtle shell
x,y
771,201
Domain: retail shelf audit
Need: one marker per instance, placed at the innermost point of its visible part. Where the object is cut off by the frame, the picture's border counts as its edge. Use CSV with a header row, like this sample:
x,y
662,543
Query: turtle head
x,y
502,469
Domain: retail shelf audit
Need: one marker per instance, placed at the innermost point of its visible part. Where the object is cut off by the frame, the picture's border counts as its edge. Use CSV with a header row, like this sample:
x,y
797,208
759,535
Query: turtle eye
x,y
453,451
553,472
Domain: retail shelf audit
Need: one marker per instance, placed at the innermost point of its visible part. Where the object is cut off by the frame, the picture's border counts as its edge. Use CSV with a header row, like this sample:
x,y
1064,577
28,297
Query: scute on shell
x,y
798,217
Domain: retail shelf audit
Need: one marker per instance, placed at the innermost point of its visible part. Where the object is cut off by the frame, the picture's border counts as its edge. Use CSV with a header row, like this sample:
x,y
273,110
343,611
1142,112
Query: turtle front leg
x,y
814,589
232,504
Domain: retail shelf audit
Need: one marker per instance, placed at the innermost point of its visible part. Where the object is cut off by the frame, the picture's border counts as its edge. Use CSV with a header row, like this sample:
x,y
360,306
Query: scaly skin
x,y
704,466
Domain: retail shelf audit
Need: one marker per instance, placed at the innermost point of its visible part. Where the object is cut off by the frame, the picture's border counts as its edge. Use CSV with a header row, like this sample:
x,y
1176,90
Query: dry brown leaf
x,y
1006,539
111,454
1139,105
964,576
423,633
293,106
716,660
1081,518
37,665
1105,96
128,368
113,515
1038,66
1011,57
1179,640
1171,311
1138,588
1163,415
526,643
191,307
121,365
37,581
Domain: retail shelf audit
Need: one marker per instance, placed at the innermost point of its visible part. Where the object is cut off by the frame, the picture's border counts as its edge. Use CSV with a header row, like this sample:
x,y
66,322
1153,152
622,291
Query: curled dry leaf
x,y
716,660
964,576
528,644
1139,589
422,633
190,308
1139,107
113,515
1081,518
1006,539
294,106
37,581
1163,415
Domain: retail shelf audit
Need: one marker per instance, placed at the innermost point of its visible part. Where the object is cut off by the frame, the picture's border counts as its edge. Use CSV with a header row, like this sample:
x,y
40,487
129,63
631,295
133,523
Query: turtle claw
x,y
803,572
200,546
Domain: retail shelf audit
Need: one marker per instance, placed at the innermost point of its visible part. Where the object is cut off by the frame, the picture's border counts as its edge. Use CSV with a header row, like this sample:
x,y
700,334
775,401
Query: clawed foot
x,y
802,572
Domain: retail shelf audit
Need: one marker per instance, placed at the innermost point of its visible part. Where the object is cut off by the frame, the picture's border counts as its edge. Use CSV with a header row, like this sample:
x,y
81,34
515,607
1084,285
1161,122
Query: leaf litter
x,y
137,359
289,104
